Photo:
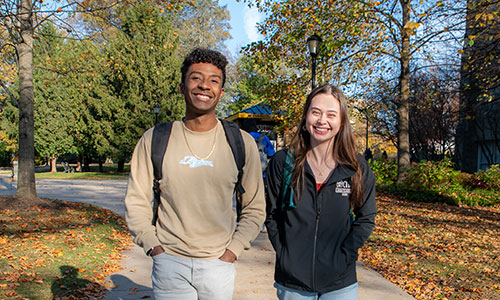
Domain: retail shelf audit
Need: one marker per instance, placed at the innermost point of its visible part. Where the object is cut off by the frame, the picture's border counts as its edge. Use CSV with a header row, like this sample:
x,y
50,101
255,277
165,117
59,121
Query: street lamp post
x,y
313,42
156,110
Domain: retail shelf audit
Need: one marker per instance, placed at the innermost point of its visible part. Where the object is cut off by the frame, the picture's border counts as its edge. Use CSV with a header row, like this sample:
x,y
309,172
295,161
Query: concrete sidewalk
x,y
255,268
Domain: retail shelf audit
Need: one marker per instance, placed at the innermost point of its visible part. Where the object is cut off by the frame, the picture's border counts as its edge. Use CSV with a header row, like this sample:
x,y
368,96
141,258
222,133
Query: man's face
x,y
202,88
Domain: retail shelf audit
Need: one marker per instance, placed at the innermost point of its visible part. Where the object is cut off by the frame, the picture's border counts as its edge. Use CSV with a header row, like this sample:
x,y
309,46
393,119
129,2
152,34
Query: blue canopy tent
x,y
262,115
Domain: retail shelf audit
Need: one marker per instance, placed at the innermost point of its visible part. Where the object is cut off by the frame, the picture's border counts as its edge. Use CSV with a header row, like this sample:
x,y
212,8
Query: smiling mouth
x,y
203,97
321,130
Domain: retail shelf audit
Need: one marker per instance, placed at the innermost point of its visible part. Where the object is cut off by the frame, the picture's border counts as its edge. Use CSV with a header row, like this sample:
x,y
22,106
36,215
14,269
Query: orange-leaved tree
x,y
362,40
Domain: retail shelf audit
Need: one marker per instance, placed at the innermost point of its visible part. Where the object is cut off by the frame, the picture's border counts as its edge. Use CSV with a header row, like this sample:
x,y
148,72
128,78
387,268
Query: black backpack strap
x,y
235,140
159,142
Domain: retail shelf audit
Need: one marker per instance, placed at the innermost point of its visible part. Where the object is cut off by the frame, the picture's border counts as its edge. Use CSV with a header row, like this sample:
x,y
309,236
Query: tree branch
x,y
12,97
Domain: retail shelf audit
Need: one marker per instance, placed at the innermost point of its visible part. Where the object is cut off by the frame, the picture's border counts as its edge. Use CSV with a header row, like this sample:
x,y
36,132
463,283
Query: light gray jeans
x,y
179,278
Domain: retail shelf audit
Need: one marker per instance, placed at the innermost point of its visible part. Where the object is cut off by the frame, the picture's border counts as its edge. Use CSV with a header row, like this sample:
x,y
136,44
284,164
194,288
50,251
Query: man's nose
x,y
203,84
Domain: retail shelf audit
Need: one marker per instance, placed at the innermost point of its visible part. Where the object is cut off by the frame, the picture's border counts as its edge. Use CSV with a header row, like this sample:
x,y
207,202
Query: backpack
x,y
159,142
264,159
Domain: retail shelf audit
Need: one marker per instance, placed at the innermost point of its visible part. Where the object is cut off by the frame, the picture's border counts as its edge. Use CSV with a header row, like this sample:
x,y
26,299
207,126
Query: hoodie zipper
x,y
316,227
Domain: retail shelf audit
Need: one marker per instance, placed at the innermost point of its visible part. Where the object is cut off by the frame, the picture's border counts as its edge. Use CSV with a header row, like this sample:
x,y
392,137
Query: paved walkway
x,y
255,267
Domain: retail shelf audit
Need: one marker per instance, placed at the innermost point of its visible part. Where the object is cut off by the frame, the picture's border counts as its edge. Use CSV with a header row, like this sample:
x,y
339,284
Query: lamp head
x,y
156,109
313,42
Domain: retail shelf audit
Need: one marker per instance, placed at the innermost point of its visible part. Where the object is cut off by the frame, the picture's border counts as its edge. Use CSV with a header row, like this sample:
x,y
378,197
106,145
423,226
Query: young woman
x,y
320,203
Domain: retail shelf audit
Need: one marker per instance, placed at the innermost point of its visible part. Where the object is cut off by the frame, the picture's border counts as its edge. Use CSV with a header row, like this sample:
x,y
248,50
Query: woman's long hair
x,y
344,148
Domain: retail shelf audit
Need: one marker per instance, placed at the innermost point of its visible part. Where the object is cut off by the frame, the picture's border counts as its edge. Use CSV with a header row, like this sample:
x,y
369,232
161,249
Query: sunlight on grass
x,y
83,175
60,251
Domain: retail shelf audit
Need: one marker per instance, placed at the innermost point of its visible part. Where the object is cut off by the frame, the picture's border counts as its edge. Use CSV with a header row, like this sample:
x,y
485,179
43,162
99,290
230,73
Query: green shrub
x,y
432,176
385,170
490,178
439,182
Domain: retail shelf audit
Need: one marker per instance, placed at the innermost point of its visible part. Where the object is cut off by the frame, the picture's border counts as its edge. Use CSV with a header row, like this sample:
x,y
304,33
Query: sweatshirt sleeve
x,y
252,201
139,195
365,215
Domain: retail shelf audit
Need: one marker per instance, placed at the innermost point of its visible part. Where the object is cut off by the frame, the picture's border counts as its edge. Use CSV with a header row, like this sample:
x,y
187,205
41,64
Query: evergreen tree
x,y
53,107
142,70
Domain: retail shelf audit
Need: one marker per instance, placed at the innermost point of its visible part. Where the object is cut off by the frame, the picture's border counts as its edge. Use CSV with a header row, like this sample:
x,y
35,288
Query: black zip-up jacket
x,y
316,242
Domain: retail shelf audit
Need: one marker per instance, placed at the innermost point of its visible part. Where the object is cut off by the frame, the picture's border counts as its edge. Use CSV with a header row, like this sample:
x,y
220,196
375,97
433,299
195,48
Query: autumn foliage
x,y
435,250
58,249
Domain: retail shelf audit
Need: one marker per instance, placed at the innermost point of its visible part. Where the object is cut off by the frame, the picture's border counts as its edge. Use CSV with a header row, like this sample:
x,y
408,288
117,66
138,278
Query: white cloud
x,y
252,17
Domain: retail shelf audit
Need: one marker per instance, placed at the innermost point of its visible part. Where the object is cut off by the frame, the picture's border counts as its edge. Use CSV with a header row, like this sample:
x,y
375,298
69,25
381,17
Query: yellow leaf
x,y
412,25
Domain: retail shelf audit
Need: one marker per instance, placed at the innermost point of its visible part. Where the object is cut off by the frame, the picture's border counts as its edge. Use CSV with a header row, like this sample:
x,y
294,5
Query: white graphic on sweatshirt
x,y
193,162
343,187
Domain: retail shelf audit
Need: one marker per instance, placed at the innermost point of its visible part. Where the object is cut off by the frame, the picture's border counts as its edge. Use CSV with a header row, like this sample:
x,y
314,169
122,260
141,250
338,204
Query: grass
x,y
436,250
83,175
109,173
67,249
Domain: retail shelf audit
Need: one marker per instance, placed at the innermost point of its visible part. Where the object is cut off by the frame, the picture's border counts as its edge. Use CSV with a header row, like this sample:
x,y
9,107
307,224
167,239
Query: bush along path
x,y
436,250
57,249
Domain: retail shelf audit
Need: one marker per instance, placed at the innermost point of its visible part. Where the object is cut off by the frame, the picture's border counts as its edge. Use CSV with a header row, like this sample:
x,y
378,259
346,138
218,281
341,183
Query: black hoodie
x,y
317,242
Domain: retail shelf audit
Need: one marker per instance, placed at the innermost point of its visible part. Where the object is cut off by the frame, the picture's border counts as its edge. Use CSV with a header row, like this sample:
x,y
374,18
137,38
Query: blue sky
x,y
243,24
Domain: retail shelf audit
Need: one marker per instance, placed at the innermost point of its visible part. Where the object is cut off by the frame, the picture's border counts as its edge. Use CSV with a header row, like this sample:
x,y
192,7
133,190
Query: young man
x,y
195,239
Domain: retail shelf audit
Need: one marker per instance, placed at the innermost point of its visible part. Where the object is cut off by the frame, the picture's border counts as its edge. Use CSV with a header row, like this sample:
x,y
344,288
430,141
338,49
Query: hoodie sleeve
x,y
364,222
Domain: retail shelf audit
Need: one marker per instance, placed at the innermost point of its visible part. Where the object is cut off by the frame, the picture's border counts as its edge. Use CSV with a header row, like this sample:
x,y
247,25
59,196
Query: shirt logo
x,y
193,162
343,187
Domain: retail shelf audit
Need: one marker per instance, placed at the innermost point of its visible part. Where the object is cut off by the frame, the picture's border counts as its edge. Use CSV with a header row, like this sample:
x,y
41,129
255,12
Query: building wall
x,y
478,130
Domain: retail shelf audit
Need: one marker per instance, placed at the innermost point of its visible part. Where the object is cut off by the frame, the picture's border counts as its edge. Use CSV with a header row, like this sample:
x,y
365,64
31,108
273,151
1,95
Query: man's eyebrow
x,y
210,75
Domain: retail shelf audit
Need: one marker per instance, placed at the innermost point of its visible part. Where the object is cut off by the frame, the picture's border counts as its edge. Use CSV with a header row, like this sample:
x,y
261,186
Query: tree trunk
x,y
26,186
404,96
86,164
53,165
101,168
121,165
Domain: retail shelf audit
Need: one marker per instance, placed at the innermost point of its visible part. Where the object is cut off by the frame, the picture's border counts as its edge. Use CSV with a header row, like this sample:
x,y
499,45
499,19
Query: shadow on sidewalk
x,y
124,288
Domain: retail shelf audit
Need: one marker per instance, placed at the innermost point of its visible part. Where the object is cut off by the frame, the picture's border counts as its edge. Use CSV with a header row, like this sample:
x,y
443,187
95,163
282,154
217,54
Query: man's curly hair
x,y
202,55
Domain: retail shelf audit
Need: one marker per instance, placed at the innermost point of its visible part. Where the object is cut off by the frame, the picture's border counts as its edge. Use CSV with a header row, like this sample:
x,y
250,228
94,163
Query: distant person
x,y
368,154
195,239
384,155
266,148
266,151
320,203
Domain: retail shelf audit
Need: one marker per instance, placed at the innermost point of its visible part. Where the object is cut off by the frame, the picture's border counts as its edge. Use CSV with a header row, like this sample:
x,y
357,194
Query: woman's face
x,y
323,118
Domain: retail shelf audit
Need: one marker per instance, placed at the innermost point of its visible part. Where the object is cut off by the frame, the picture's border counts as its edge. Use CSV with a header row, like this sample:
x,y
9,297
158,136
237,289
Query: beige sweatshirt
x,y
195,217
